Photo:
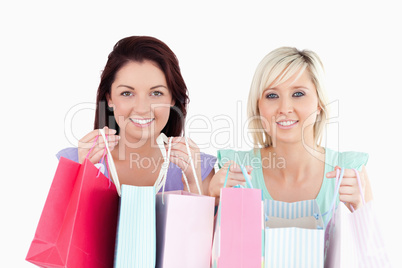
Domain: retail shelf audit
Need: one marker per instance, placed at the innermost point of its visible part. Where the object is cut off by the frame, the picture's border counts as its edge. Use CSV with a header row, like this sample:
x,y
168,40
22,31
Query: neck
x,y
297,158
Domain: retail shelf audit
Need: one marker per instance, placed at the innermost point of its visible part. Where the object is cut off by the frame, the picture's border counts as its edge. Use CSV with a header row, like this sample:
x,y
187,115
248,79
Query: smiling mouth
x,y
142,122
287,123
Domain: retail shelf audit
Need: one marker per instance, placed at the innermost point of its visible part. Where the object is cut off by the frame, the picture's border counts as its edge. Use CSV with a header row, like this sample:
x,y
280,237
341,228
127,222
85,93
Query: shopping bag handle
x,y
336,194
92,147
338,181
102,162
161,180
339,178
360,188
110,164
245,174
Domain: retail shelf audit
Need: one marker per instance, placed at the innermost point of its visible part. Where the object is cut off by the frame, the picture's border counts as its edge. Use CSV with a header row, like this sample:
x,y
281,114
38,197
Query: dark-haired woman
x,y
141,95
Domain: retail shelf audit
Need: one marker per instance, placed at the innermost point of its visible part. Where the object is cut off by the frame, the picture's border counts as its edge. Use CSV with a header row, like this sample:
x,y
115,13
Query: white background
x,y
52,55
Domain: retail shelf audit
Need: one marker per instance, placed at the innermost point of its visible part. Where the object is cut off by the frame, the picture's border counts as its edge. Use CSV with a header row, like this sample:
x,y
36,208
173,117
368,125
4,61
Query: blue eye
x,y
271,96
298,94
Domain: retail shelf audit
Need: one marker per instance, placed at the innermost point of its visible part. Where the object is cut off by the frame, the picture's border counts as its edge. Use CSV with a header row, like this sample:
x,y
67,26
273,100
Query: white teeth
x,y
286,123
141,121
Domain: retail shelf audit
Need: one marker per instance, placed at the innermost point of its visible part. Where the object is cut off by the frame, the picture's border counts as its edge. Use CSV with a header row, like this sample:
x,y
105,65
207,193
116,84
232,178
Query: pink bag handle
x,y
103,155
359,183
92,147
338,181
339,177
360,188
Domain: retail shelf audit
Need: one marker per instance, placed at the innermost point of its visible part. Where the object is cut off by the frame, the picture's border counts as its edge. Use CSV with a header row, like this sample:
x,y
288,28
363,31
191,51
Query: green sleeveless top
x,y
332,158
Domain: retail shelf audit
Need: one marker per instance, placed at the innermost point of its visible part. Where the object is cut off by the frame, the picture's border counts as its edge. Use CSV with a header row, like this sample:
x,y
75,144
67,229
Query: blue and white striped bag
x,y
136,229
294,234
136,234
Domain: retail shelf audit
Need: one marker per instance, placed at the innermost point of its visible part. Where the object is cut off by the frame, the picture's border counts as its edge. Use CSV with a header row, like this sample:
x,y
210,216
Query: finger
x,y
232,183
96,155
175,141
237,176
178,150
351,199
98,152
192,144
110,139
179,160
87,144
225,166
331,174
90,138
348,190
249,169
184,155
349,182
101,147
348,173
182,149
93,134
236,169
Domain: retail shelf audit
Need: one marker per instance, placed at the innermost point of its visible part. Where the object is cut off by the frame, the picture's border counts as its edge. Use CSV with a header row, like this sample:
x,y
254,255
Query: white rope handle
x,y
192,167
161,180
112,167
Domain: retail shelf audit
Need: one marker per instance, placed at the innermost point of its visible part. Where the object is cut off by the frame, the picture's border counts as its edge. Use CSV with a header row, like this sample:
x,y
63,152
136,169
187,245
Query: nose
x,y
142,105
285,106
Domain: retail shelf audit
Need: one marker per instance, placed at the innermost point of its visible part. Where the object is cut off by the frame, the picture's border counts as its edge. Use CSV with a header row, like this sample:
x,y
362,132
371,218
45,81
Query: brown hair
x,y
138,49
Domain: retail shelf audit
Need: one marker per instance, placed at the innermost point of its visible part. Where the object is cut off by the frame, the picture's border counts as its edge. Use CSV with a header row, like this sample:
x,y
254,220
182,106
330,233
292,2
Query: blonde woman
x,y
287,109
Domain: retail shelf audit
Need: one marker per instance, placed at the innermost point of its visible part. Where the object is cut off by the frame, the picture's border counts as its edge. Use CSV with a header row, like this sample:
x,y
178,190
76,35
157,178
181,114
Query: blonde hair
x,y
275,68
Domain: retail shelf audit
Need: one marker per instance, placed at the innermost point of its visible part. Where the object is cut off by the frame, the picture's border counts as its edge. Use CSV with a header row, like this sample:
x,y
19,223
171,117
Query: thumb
x,y
227,164
332,174
249,169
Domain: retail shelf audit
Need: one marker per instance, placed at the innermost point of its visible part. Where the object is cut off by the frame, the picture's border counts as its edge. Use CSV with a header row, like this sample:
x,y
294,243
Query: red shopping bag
x,y
77,227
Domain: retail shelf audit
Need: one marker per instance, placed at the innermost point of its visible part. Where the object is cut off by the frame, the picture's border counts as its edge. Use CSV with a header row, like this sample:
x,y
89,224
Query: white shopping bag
x,y
354,239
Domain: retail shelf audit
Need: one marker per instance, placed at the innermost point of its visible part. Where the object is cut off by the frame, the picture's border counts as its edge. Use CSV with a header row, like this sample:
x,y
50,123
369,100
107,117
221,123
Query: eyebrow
x,y
158,86
296,87
154,87
293,87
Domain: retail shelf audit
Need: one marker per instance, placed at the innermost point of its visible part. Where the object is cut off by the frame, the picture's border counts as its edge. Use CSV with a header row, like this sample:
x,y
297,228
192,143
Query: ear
x,y
109,101
319,109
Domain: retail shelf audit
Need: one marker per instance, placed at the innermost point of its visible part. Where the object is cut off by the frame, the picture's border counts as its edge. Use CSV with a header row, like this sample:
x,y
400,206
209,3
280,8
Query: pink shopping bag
x,y
239,228
184,228
354,239
184,221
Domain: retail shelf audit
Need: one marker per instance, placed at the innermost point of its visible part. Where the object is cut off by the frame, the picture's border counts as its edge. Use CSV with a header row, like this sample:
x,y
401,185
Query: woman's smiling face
x,y
289,110
141,100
